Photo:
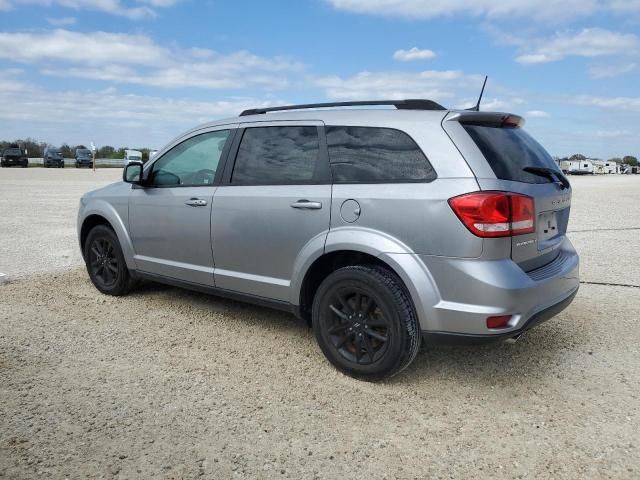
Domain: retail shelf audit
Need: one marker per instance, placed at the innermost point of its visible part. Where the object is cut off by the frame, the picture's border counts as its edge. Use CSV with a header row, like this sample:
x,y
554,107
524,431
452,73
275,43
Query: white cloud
x,y
613,133
589,42
105,116
395,85
609,71
451,88
61,21
618,103
137,59
536,114
542,9
413,54
139,9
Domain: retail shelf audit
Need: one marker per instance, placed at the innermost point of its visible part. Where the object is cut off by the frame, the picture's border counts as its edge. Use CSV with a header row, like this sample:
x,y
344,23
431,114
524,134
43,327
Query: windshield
x,y
12,151
509,151
135,157
83,153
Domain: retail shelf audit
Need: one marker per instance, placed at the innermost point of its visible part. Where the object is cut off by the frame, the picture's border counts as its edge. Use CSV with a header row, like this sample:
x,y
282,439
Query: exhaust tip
x,y
513,340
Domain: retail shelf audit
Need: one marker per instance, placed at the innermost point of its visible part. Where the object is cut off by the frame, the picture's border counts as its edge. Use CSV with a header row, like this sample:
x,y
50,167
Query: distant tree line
x,y
627,159
35,149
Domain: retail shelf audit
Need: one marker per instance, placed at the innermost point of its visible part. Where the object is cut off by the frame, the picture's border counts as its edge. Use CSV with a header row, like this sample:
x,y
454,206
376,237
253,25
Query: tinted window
x,y
509,150
276,155
191,163
370,155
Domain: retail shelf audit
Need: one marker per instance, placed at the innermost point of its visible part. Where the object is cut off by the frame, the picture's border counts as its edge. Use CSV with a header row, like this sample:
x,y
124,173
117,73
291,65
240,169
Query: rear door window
x,y
509,151
277,156
375,155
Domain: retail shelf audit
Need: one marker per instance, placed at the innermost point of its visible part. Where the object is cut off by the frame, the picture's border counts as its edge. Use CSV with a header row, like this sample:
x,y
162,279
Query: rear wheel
x,y
105,262
365,323
25,164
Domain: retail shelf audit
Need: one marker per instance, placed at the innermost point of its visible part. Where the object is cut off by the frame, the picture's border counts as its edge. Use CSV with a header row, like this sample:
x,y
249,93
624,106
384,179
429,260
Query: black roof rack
x,y
414,104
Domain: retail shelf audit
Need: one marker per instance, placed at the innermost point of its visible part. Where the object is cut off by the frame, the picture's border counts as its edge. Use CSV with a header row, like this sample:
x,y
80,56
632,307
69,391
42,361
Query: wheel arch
x,y
356,246
106,215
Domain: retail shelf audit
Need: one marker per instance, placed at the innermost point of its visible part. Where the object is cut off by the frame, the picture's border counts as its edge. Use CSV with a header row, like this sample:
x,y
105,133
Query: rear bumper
x,y
470,290
449,338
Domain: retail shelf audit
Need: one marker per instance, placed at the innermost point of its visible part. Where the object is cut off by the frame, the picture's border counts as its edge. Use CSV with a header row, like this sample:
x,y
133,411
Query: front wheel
x,y
25,164
365,323
105,262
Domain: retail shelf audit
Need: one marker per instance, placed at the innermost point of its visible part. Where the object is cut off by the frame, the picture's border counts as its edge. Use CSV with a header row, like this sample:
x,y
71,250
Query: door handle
x,y
306,205
195,202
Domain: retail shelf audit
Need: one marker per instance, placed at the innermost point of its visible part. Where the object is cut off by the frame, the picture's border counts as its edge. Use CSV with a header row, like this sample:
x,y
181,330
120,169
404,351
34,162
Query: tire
x,y
25,164
105,262
365,323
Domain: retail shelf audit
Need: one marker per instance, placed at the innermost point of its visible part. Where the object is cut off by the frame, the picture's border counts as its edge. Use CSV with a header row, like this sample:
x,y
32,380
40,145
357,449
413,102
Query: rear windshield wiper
x,y
549,173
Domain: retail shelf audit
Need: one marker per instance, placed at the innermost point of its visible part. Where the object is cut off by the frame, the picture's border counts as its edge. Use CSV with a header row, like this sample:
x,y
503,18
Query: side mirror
x,y
132,173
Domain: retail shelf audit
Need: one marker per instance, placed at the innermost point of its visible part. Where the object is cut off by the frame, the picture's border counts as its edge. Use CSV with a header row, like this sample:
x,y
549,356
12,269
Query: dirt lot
x,y
172,384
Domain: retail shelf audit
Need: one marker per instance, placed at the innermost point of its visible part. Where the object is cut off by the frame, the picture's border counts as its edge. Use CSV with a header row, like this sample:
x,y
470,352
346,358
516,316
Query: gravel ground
x,y
166,383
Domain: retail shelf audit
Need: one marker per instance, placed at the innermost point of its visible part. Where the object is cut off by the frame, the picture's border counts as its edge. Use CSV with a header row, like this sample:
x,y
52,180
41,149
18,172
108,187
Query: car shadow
x,y
537,354
539,350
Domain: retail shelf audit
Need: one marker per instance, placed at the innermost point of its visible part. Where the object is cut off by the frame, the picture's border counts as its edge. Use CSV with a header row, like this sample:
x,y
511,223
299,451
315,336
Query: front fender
x,y
117,218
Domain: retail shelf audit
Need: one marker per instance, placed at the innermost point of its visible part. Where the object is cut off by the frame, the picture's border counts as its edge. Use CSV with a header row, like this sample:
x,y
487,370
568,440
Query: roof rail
x,y
412,104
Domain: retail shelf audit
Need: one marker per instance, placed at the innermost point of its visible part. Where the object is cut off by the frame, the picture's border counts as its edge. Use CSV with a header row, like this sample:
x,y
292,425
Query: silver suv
x,y
379,227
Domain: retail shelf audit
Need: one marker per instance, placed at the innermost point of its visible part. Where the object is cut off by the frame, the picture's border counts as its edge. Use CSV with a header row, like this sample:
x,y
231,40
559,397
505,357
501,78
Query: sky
x,y
139,72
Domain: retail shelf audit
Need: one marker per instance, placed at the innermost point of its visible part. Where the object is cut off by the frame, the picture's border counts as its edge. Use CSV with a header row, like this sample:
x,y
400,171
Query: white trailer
x,y
611,167
577,167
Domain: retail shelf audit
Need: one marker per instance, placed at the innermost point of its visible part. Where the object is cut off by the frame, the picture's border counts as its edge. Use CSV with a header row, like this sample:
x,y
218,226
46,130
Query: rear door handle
x,y
196,202
306,205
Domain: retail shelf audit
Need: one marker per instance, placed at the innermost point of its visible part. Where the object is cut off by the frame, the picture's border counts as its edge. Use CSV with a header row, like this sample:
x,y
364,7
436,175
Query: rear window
x,y
376,155
509,150
12,151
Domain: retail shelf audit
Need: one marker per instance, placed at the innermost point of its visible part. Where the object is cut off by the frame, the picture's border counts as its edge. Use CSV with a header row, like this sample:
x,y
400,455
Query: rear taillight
x,y
495,214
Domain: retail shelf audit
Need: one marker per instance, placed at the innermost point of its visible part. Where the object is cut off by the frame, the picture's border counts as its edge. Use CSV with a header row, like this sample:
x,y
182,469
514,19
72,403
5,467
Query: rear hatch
x,y
504,157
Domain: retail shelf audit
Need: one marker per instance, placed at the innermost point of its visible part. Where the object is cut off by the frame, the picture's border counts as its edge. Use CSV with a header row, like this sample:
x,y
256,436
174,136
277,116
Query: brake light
x,y
495,214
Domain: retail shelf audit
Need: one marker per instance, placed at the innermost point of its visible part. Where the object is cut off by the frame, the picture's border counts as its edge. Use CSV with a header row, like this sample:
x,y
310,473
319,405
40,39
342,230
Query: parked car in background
x,y
84,158
52,157
132,156
378,227
14,156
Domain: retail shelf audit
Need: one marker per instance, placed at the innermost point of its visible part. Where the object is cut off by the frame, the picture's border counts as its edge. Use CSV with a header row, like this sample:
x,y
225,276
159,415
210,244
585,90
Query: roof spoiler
x,y
489,119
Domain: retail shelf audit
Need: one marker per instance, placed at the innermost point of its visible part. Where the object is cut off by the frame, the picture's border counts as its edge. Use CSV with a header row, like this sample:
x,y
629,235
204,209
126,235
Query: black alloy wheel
x,y
103,262
365,323
359,328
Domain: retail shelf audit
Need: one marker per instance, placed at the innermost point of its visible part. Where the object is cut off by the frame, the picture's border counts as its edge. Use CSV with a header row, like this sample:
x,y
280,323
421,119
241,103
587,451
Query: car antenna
x,y
477,106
